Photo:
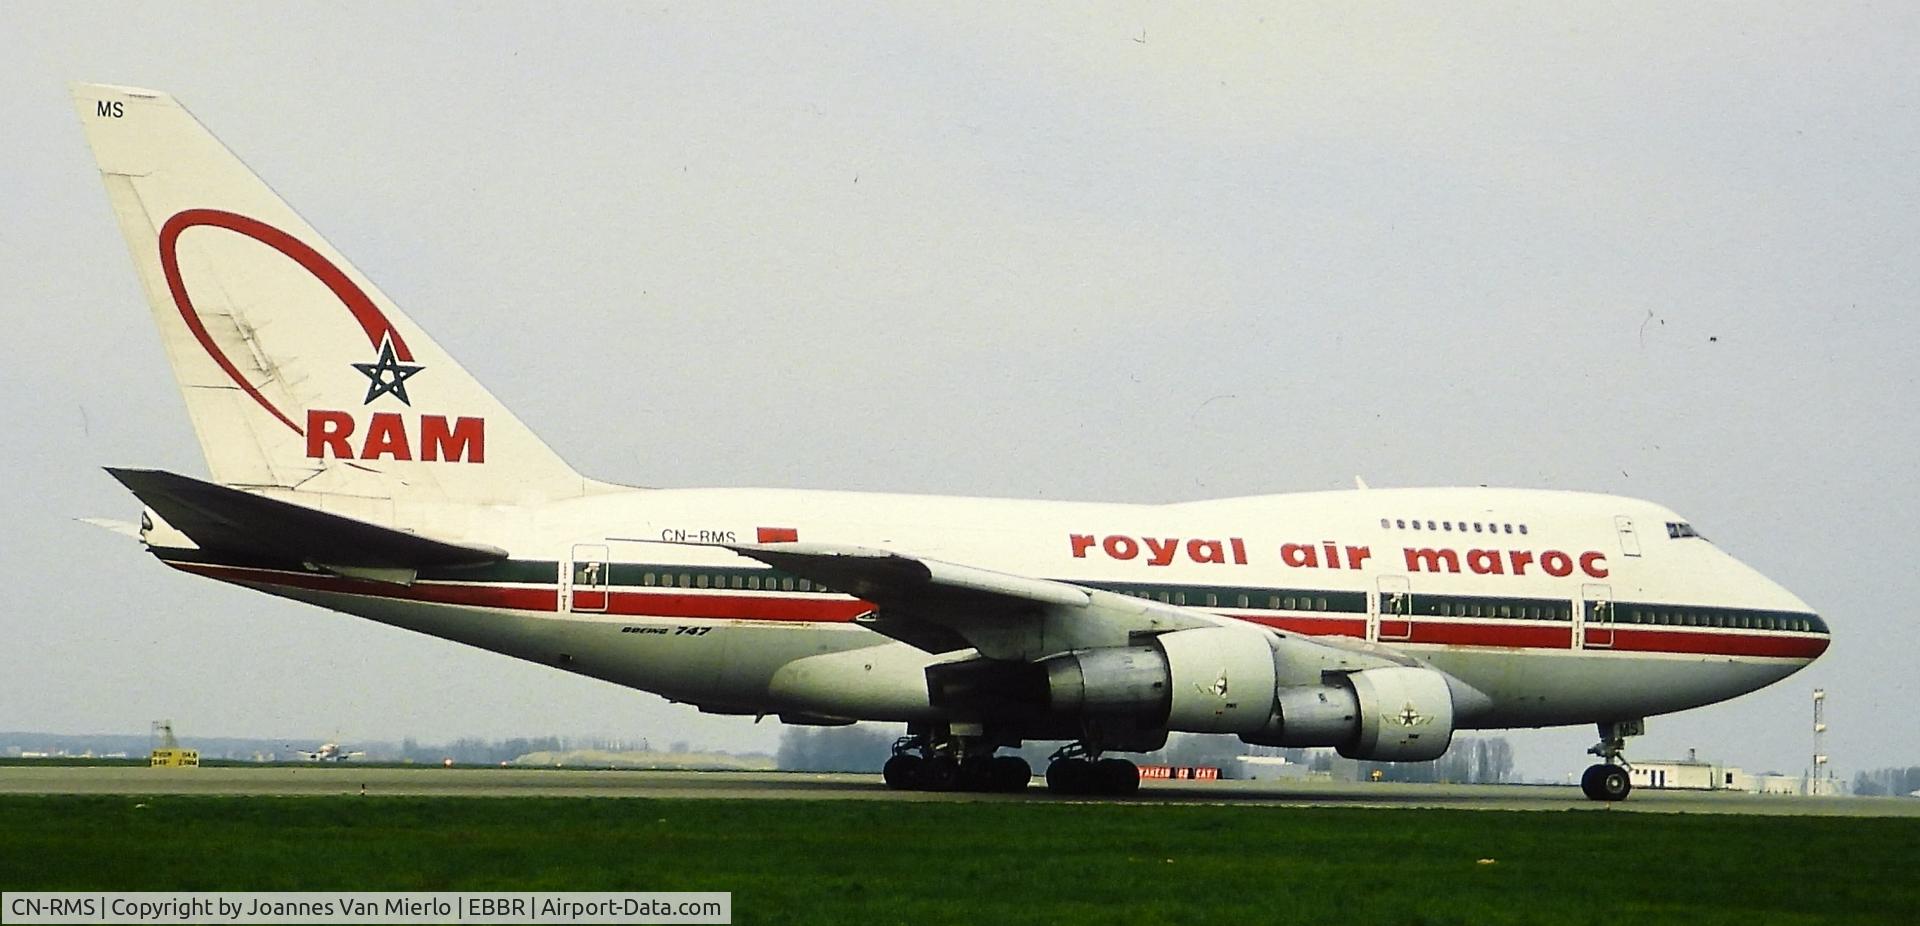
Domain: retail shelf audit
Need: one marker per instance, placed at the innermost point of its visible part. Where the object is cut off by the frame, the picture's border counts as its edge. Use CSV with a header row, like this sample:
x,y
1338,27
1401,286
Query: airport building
x,y
1696,774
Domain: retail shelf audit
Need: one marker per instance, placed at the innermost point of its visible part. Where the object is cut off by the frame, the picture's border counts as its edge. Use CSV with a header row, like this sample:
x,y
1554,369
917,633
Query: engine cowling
x,y
1225,680
1206,680
1393,714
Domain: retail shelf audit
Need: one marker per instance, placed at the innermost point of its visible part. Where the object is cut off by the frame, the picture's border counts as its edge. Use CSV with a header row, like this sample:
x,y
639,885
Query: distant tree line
x,y
857,748
1487,760
470,750
1897,782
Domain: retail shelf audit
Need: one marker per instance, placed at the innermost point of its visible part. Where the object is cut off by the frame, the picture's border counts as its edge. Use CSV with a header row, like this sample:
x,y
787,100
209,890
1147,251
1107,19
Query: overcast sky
x,y
1089,253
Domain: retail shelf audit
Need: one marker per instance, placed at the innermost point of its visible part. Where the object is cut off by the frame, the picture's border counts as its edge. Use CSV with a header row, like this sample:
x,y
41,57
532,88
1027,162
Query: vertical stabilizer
x,y
298,373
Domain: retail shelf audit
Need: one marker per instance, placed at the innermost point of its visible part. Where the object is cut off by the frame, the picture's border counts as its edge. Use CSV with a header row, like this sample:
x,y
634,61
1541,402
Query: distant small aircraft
x,y
328,752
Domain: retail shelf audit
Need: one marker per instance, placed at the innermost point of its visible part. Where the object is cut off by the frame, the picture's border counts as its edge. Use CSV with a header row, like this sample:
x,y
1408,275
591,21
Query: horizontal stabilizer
x,y
123,528
232,521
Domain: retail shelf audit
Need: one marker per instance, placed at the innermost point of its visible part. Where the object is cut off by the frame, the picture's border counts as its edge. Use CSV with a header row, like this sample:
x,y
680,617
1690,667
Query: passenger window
x,y
1476,527
646,578
1243,601
1383,524
686,581
1400,524
1507,528
786,585
1212,602
1320,604
1289,602
700,581
806,586
1273,602
1429,525
1506,610
1446,525
1523,528
1416,525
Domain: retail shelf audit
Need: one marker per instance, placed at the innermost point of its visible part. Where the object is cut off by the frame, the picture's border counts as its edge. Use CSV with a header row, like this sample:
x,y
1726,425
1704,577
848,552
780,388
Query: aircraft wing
x,y
229,520
941,607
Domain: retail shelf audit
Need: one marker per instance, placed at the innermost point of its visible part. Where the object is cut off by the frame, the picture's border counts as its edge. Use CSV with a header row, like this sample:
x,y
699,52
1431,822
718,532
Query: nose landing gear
x,y
1608,781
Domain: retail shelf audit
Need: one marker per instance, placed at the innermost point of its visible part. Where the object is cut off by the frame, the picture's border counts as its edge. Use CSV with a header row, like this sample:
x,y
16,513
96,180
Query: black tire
x,y
976,774
1070,776
1587,785
1117,777
1606,783
902,772
1011,773
940,773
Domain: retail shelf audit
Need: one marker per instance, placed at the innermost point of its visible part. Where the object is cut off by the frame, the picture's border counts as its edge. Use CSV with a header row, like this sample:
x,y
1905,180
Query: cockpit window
x,y
1680,529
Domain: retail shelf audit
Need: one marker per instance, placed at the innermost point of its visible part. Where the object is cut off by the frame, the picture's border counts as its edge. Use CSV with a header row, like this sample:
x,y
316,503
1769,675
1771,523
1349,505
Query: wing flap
x,y
940,607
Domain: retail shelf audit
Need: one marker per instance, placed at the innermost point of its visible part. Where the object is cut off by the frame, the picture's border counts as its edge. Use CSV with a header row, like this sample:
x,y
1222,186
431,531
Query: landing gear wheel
x,y
1010,773
976,774
1070,776
1117,777
1606,783
902,772
940,773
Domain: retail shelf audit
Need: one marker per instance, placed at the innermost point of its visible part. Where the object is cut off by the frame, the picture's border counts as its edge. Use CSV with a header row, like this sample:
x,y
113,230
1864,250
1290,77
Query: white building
x,y
1694,774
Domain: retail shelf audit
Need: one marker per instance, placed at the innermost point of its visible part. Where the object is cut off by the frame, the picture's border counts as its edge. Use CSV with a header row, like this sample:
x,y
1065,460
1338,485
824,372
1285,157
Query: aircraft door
x,y
1393,610
583,585
1629,538
1596,616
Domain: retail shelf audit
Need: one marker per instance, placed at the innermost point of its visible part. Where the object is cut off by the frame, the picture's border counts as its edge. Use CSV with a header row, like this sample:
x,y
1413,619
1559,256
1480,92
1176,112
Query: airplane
x,y
328,752
355,466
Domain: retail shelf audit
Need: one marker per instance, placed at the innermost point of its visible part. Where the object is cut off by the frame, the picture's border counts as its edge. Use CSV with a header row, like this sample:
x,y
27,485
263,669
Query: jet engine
x,y
1228,680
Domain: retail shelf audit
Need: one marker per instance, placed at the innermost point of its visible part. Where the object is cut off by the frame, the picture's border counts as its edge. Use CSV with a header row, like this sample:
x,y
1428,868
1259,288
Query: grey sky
x,y
1099,253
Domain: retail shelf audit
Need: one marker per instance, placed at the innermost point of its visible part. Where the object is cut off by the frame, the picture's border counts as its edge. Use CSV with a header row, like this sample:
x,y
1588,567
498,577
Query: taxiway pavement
x,y
525,782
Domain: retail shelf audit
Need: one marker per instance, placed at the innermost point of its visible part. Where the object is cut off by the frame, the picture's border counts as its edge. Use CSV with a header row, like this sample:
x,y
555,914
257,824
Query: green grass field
x,y
1041,862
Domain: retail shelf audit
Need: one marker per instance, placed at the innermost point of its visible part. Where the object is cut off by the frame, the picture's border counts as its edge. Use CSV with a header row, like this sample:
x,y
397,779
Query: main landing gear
x,y
1608,781
930,761
1075,769
921,763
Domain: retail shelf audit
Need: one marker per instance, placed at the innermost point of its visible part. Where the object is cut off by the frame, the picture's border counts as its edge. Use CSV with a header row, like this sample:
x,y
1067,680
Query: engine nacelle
x,y
1205,680
1394,714
1406,714
1226,680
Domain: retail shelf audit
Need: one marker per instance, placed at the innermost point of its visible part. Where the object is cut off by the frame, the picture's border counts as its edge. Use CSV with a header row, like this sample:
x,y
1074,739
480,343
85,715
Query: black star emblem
x,y
388,374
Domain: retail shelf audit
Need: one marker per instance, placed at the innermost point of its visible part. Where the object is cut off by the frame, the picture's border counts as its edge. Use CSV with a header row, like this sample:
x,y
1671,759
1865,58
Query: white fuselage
x,y
1557,607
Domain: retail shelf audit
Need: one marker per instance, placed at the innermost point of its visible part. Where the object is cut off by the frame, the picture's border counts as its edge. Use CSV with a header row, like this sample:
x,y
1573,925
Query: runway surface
x,y
515,782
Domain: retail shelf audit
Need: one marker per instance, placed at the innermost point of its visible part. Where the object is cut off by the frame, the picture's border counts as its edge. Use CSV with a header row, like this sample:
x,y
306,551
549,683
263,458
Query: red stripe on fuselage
x,y
1637,640
483,596
1309,626
1463,633
676,603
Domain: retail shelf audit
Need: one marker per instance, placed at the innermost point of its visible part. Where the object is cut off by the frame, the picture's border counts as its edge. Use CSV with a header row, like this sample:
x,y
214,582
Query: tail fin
x,y
298,373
